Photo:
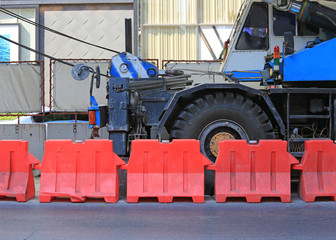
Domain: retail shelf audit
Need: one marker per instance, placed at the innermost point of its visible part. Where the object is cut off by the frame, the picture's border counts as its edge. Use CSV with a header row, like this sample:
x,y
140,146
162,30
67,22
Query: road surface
x,y
180,220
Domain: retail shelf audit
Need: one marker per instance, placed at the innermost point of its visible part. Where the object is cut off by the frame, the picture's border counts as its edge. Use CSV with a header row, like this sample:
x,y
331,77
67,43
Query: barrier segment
x,y
166,170
16,173
253,171
318,166
79,170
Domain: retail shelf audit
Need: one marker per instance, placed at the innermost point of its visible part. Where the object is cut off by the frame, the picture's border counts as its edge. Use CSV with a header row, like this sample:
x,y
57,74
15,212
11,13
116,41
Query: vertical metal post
x,y
37,33
136,27
198,52
128,35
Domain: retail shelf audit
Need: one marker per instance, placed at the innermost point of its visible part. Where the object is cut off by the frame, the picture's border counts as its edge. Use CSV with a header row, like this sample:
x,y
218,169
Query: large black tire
x,y
218,116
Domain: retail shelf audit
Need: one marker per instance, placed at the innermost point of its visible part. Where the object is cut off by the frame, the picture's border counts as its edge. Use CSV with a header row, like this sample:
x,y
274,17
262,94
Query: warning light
x,y
276,56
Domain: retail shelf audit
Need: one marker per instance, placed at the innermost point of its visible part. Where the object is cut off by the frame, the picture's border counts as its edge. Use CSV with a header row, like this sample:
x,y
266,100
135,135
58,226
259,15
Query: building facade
x,y
99,22
186,29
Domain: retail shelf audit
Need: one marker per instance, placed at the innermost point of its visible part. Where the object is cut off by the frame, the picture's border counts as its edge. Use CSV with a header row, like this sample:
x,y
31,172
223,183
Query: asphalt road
x,y
179,220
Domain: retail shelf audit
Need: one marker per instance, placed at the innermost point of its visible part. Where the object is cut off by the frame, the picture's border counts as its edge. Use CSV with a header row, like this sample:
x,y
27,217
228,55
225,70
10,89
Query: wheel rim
x,y
218,131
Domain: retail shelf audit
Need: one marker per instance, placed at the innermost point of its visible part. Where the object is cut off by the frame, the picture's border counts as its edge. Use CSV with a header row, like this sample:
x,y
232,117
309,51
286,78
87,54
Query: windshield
x,y
238,19
233,32
254,35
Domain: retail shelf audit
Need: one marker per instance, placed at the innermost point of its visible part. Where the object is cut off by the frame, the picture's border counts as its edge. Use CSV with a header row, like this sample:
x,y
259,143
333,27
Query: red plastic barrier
x,y
253,171
16,173
166,170
79,170
318,166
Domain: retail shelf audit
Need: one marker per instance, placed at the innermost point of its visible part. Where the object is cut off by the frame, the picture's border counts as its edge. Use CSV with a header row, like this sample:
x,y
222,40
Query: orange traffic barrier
x,y
79,170
253,171
318,166
166,170
16,173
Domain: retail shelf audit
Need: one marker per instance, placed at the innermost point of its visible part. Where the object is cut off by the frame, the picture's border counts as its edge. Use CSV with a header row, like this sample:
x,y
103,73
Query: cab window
x,y
286,22
283,22
254,35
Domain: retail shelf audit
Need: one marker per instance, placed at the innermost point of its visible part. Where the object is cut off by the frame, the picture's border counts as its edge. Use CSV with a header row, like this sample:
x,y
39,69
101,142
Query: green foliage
x,y
11,116
2,118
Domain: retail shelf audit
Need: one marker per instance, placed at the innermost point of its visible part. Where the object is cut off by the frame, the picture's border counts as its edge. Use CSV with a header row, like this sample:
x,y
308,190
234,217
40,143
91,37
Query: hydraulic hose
x,y
318,15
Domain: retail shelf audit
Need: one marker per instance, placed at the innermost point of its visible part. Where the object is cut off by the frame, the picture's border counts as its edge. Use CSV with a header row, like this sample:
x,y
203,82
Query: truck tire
x,y
221,116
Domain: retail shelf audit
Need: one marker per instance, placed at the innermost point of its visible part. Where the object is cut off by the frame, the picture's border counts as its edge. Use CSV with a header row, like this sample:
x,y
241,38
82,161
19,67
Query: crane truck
x,y
296,38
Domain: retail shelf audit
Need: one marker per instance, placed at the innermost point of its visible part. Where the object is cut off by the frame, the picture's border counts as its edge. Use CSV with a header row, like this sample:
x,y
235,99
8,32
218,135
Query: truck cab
x,y
260,27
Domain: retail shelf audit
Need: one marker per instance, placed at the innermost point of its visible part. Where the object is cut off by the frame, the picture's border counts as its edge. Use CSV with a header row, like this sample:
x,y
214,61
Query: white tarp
x,y
21,88
70,95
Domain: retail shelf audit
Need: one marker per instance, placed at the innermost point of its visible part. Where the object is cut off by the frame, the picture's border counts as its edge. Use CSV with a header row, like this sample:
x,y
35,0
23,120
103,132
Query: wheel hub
x,y
217,131
214,142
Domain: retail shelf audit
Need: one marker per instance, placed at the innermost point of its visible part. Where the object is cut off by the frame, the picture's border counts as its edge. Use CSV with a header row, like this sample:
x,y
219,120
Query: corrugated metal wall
x,y
170,28
169,11
169,43
218,11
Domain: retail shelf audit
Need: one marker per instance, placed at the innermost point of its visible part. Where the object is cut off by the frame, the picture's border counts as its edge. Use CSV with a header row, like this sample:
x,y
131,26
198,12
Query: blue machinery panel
x,y
312,64
126,65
